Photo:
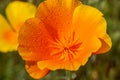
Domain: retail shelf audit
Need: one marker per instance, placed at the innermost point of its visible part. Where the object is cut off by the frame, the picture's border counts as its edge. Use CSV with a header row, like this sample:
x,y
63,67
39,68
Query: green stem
x,y
68,75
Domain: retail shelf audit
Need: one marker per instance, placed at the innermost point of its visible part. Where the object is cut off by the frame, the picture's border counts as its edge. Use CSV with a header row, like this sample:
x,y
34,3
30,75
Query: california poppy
x,y
16,12
62,35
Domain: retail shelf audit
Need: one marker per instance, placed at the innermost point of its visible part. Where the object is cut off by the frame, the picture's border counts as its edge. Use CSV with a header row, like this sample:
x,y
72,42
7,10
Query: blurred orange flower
x,y
16,12
62,35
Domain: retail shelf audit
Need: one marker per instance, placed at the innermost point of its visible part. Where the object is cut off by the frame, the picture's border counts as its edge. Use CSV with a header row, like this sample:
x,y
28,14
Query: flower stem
x,y
68,75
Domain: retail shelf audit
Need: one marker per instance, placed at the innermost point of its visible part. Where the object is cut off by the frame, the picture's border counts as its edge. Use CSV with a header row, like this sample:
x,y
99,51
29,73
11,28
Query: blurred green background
x,y
99,67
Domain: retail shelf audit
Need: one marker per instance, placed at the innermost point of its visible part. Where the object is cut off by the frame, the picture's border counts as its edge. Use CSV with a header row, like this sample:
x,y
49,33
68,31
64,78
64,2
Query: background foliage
x,y
100,67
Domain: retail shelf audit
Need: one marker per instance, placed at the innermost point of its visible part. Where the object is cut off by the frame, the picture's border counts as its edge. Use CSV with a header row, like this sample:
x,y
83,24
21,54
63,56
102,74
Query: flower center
x,y
66,49
70,52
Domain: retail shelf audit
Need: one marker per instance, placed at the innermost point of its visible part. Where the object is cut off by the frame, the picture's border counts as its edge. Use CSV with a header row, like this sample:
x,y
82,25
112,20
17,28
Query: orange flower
x,y
16,12
62,35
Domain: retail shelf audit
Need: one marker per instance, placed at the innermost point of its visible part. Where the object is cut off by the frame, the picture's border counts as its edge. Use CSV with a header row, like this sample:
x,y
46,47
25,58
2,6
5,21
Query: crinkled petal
x,y
34,41
17,12
34,71
57,15
8,38
106,44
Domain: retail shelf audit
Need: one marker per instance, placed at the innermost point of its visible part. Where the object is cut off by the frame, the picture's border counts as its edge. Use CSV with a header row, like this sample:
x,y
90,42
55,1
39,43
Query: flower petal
x,y
57,15
89,25
106,44
101,28
64,3
34,71
53,65
34,41
71,64
8,37
95,44
88,22
17,12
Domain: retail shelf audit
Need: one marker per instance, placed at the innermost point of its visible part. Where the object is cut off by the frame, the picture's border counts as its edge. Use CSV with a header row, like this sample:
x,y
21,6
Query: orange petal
x,y
95,44
71,63
57,15
59,64
34,71
34,41
89,26
88,22
101,28
106,44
